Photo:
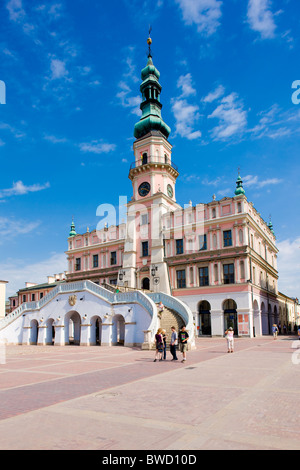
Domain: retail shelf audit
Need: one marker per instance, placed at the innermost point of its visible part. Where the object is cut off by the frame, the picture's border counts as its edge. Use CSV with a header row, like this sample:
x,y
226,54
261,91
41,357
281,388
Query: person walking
x,y
173,344
230,341
164,335
275,331
183,339
159,345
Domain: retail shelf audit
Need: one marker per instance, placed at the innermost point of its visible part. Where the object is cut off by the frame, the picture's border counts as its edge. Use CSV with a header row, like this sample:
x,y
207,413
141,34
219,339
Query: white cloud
x,y
261,18
17,272
97,147
186,116
129,77
253,180
214,95
289,267
10,227
232,118
15,9
55,140
185,83
58,69
205,14
19,188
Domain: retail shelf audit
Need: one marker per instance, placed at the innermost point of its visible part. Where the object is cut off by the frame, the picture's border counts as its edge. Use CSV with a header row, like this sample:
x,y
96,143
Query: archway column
x,y
106,338
217,323
26,335
85,336
59,335
257,322
42,334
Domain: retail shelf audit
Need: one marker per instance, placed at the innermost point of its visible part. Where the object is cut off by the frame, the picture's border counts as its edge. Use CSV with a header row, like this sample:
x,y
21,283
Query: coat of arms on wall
x,y
72,300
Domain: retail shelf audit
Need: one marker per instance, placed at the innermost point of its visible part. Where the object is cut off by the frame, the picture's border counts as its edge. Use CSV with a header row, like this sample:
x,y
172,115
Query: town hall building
x,y
212,265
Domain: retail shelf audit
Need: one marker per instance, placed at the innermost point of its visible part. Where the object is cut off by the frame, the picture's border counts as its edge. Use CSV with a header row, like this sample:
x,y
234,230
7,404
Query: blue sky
x,y
72,75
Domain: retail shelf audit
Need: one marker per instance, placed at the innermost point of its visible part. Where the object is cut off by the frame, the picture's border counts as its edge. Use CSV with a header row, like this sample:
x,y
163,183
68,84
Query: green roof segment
x,y
239,187
72,232
151,119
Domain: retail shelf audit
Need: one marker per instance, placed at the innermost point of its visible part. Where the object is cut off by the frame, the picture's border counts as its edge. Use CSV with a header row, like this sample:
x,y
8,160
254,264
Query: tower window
x,y
179,247
78,264
227,238
144,159
181,281
145,249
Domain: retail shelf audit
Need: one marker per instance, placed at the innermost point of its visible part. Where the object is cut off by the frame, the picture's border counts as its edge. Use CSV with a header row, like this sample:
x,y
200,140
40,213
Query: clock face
x,y
170,190
144,189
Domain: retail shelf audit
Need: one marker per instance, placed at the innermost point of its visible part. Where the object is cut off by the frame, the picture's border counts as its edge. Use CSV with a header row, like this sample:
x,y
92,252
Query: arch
x,y
230,315
146,283
256,319
33,332
96,331
50,332
204,318
264,319
118,330
72,328
144,159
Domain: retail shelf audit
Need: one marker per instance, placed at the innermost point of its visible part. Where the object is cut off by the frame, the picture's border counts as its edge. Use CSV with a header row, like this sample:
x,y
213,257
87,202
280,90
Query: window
x,y
227,237
239,207
145,249
242,269
113,257
95,261
144,219
14,303
181,282
24,298
228,271
113,282
241,237
32,297
203,276
41,295
214,213
144,159
77,264
216,274
202,242
179,247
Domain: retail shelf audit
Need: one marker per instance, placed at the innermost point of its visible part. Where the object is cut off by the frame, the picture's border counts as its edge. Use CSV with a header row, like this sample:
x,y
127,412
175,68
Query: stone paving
x,y
65,398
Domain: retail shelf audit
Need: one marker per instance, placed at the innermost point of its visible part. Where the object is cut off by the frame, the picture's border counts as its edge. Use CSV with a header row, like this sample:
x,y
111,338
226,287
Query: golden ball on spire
x,y
149,41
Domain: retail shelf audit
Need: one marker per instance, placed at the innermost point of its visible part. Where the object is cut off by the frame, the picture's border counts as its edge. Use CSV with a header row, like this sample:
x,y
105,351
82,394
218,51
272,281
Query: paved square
x,y
119,399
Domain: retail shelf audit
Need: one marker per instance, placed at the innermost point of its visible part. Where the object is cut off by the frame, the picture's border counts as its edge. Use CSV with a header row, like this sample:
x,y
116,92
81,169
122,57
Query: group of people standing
x,y
161,344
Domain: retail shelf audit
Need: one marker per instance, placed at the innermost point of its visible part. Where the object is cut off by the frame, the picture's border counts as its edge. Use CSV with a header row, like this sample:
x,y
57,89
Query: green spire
x,y
72,232
151,119
270,225
239,186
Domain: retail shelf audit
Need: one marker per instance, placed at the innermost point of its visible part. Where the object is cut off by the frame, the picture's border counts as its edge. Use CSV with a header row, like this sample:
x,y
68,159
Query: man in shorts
x,y
183,339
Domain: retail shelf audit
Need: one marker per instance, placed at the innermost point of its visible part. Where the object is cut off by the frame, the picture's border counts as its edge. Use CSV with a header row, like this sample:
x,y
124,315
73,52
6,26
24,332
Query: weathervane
x,y
149,42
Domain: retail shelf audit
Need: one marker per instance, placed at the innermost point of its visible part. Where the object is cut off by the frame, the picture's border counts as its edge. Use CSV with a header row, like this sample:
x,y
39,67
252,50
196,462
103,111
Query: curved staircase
x,y
169,318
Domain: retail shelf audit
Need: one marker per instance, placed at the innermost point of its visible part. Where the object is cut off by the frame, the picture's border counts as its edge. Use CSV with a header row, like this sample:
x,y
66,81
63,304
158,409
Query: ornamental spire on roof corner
x,y
239,185
151,106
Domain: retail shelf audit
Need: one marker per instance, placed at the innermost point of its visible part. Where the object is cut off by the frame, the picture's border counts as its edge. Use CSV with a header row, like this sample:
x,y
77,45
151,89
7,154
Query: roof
x,y
41,286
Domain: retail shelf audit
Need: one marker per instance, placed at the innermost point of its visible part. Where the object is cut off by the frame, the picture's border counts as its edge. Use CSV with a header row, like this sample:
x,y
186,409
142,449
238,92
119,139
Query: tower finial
x,y
149,42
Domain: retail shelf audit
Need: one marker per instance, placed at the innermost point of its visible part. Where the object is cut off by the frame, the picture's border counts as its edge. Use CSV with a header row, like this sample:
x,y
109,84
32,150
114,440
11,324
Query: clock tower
x,y
153,177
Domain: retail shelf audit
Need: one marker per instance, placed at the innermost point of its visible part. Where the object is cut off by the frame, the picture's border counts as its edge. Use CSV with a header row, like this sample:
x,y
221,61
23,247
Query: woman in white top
x,y
230,341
